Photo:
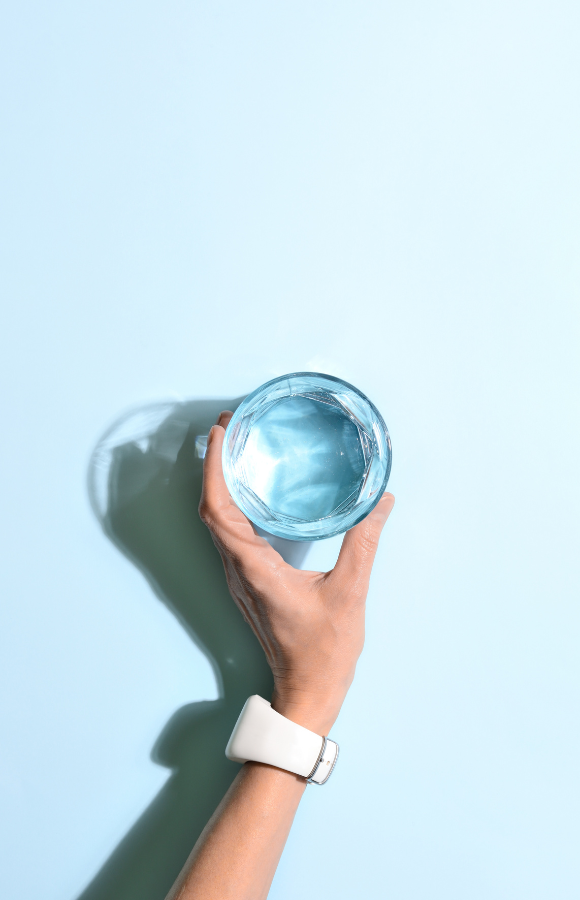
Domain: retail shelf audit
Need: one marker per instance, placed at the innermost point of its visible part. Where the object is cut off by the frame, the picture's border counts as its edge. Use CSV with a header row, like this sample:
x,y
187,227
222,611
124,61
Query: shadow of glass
x,y
145,481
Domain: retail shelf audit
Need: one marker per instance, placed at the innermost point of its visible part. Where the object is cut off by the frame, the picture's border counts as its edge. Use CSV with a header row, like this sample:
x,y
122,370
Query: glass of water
x,y
306,456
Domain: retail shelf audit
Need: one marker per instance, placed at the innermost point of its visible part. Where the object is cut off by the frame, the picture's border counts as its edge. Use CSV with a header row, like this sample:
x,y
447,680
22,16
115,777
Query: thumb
x,y
357,554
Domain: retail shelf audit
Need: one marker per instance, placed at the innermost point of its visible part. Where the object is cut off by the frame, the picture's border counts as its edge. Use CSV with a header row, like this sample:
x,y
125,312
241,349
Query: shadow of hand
x,y
145,483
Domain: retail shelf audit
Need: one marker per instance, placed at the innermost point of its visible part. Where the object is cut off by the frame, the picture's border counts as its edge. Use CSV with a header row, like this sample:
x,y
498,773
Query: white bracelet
x,y
263,735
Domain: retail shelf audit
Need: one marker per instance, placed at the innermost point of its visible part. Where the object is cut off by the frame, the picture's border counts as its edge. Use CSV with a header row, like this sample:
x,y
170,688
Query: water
x,y
303,458
306,456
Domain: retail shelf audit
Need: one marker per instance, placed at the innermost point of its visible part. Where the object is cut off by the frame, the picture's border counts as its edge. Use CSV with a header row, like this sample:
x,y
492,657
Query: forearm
x,y
237,853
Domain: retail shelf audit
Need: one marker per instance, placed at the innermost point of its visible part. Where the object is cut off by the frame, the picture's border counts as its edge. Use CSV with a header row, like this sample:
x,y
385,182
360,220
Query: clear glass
x,y
306,456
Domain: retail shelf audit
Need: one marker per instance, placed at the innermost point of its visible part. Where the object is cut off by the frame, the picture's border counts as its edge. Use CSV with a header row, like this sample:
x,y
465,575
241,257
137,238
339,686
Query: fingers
x,y
224,418
355,561
214,494
230,528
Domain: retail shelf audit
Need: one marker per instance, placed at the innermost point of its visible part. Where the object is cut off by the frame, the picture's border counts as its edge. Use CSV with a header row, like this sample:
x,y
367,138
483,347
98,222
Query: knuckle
x,y
205,513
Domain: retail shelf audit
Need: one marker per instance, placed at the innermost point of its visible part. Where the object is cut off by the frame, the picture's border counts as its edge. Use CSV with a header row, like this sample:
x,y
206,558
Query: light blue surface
x,y
306,456
196,198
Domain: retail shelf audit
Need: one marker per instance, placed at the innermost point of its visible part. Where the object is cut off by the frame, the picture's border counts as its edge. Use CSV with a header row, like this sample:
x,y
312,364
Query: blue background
x,y
198,197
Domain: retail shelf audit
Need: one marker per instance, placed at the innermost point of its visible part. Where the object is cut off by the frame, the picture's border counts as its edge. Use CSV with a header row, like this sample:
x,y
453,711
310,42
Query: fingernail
x,y
210,435
224,414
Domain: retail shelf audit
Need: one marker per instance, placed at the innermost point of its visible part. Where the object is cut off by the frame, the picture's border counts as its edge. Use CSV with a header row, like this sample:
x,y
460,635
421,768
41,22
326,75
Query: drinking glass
x,y
306,456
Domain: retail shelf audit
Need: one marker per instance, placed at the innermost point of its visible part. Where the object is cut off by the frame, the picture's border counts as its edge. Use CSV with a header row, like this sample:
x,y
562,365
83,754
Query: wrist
x,y
264,735
318,714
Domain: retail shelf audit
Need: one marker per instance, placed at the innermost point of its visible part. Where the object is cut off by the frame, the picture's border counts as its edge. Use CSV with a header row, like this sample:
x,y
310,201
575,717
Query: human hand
x,y
310,624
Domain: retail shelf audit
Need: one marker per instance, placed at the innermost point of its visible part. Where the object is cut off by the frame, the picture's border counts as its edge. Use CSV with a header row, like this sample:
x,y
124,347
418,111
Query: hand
x,y
310,624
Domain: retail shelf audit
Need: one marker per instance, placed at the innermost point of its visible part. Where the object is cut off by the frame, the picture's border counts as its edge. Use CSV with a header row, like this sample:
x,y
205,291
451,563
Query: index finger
x,y
214,492
226,521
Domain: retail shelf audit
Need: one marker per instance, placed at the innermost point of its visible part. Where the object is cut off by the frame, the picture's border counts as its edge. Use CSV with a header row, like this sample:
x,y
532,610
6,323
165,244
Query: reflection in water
x,y
144,483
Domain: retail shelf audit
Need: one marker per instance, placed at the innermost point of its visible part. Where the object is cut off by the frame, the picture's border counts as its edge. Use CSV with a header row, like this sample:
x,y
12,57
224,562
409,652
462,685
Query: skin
x,y
311,626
